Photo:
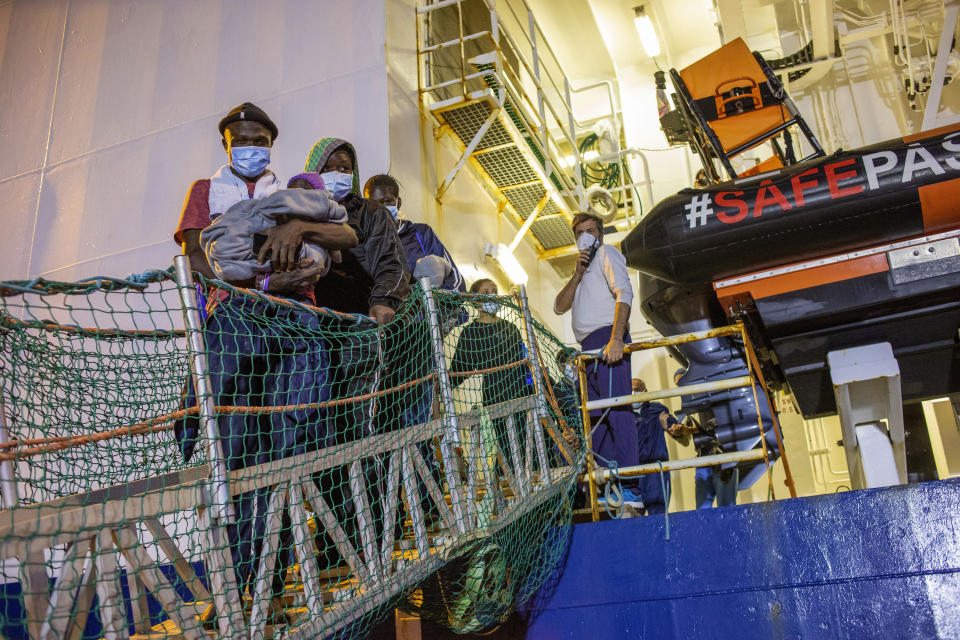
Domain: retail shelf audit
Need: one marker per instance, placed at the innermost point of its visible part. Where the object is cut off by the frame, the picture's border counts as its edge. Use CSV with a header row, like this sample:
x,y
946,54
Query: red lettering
x,y
775,197
833,177
725,199
799,186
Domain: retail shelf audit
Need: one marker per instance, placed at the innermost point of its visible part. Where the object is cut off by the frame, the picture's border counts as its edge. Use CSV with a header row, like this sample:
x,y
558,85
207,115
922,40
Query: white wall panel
x,y
135,67
111,66
141,87
407,162
30,35
351,106
124,196
17,215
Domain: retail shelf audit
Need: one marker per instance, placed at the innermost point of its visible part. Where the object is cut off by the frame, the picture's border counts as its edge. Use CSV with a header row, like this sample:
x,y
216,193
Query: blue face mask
x,y
338,184
392,208
249,161
490,307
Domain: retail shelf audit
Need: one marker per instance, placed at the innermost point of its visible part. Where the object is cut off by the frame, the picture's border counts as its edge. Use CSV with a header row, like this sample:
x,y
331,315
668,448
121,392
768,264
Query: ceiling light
x,y
648,35
510,265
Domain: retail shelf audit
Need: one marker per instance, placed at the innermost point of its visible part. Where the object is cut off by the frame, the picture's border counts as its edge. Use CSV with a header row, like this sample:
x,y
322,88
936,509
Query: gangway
x,y
154,556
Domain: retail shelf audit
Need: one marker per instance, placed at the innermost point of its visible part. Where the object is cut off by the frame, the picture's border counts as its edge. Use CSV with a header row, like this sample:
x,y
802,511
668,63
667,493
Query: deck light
x,y
648,35
508,262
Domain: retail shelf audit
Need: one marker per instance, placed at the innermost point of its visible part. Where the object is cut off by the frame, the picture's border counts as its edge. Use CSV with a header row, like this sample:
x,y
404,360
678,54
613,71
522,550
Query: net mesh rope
x,y
359,481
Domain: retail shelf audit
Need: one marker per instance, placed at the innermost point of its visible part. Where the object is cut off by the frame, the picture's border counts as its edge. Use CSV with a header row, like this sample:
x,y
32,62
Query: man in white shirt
x,y
600,295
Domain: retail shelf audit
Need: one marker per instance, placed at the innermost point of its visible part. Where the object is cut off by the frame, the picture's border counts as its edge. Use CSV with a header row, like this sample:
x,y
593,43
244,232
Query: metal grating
x,y
467,120
524,200
506,167
552,231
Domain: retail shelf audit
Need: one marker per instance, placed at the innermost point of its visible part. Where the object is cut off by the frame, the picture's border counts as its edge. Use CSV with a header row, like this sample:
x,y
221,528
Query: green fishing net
x,y
331,471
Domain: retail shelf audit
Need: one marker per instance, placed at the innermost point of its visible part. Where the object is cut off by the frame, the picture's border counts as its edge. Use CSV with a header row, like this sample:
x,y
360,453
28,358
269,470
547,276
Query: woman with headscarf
x,y
372,279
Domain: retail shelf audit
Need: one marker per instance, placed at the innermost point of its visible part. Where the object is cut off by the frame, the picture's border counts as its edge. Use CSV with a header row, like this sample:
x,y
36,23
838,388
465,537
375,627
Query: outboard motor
x,y
672,309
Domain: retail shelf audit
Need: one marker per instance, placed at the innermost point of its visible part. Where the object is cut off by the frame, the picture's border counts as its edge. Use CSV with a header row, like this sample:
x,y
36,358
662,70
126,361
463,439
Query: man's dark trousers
x,y
615,438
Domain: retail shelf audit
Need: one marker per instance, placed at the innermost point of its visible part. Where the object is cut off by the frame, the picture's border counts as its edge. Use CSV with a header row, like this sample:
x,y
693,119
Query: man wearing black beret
x,y
245,366
248,135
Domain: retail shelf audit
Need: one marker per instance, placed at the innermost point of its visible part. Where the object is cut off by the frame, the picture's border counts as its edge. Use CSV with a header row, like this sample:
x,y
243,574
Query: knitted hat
x,y
311,177
249,111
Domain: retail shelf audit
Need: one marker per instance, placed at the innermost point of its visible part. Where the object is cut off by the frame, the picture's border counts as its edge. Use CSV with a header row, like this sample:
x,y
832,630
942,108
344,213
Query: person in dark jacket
x,y
373,277
426,256
653,419
418,238
486,343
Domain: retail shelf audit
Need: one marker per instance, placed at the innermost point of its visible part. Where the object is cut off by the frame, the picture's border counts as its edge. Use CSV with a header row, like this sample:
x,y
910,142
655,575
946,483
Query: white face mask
x,y
338,184
392,208
586,241
490,307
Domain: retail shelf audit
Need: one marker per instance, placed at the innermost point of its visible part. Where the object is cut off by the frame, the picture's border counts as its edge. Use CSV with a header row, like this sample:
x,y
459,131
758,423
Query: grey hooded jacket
x,y
228,241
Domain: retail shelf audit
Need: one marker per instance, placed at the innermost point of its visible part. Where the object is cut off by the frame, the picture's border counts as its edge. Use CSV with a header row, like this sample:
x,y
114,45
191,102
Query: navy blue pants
x,y
652,447
615,438
414,359
259,354
358,368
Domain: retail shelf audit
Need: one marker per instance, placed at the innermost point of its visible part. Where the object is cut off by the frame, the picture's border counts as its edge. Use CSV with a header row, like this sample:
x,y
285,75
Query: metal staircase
x,y
489,78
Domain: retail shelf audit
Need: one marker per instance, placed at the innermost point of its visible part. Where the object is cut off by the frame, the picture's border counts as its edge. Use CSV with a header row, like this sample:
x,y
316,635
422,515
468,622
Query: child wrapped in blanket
x,y
233,240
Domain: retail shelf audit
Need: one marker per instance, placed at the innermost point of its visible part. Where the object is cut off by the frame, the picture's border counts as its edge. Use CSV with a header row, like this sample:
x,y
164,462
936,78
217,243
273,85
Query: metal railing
x,y
472,50
596,475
